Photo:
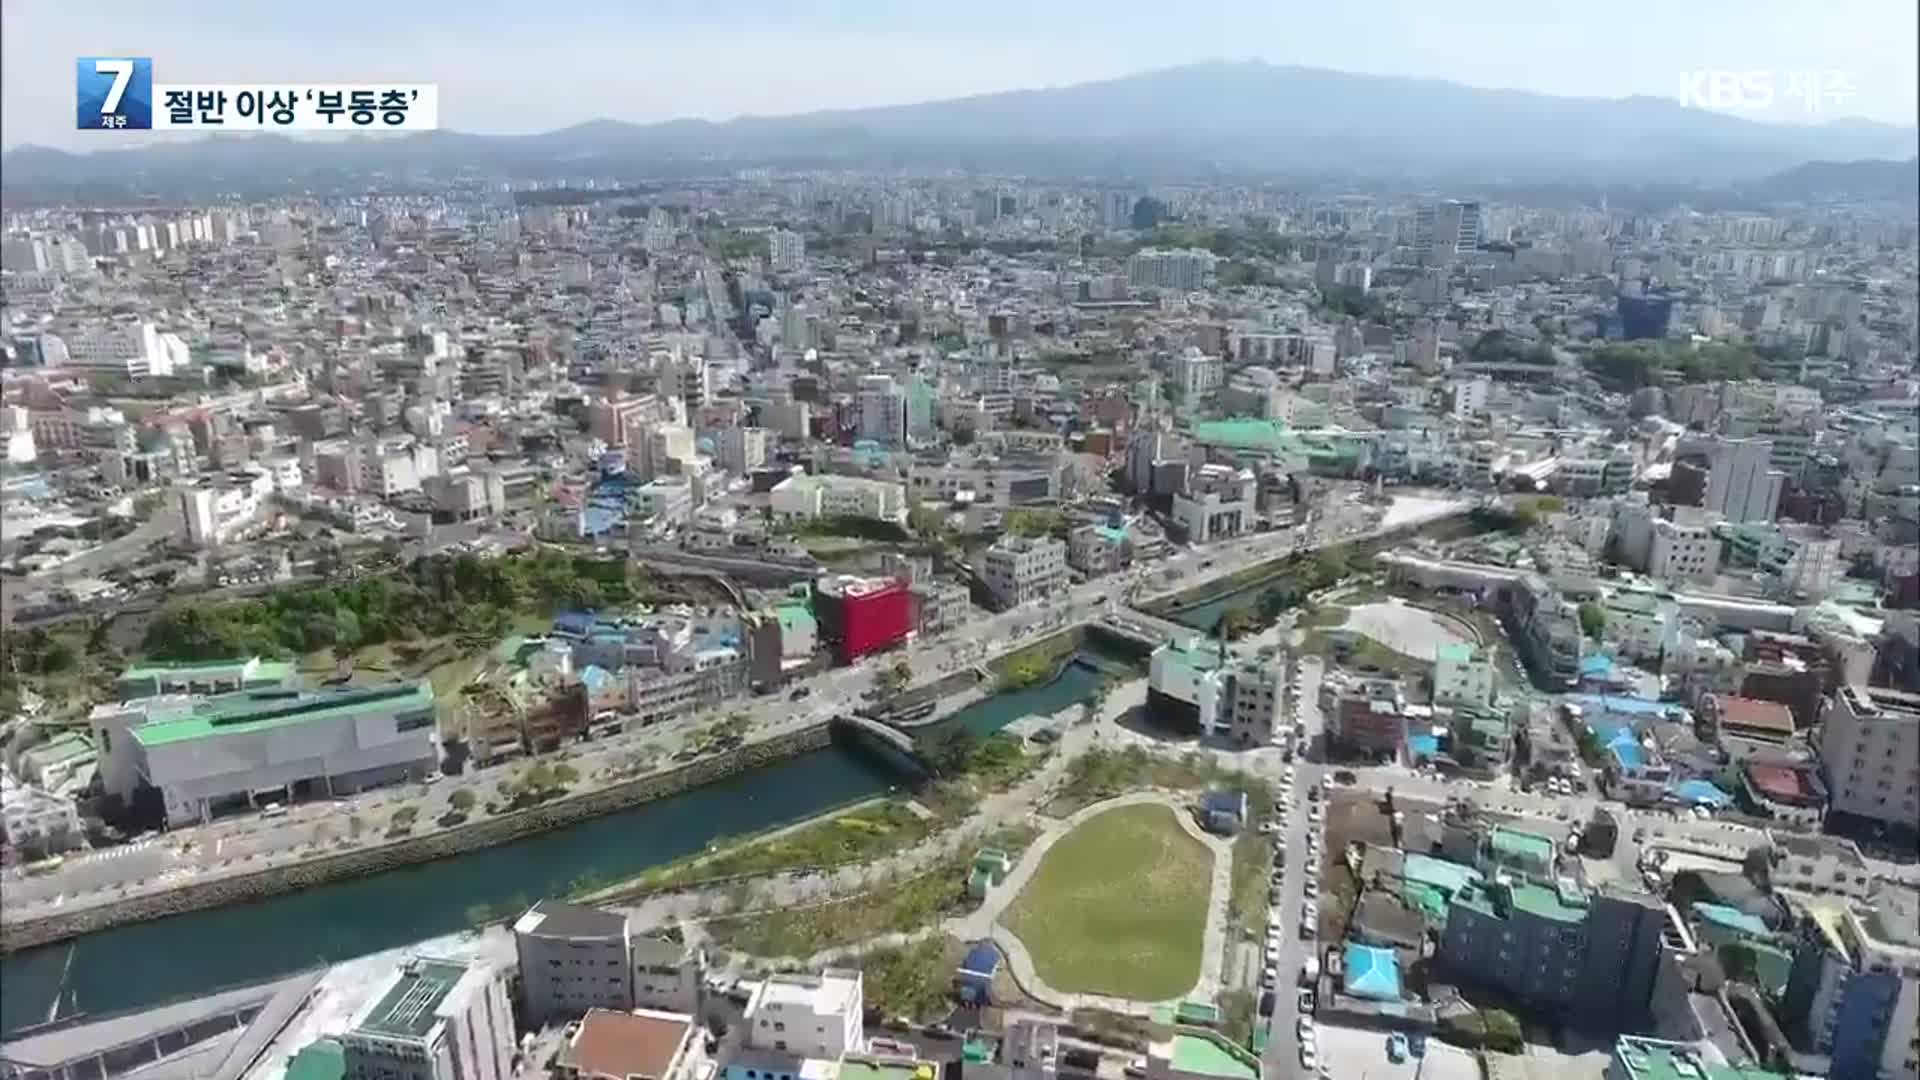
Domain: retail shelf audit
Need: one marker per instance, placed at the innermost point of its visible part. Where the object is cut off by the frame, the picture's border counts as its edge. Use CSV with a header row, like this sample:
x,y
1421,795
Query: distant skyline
x,y
515,68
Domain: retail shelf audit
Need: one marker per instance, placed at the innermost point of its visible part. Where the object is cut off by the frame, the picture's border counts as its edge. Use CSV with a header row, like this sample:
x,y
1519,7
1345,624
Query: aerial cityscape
x,y
1218,570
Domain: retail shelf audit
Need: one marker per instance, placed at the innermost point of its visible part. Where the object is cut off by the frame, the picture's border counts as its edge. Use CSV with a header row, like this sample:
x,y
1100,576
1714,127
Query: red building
x,y
858,616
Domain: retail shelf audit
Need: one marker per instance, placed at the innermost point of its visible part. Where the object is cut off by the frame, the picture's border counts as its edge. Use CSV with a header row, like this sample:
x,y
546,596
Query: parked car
x,y
1396,1048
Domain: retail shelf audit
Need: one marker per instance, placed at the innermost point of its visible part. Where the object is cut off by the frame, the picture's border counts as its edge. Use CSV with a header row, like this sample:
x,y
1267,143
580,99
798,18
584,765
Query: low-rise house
x,y
807,1015
1789,792
644,1044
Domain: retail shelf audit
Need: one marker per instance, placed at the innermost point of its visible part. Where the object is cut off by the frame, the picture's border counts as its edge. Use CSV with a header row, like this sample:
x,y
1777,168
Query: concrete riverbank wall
x,y
408,851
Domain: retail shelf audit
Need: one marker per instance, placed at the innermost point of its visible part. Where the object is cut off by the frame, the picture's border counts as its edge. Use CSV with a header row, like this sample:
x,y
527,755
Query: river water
x,y
147,963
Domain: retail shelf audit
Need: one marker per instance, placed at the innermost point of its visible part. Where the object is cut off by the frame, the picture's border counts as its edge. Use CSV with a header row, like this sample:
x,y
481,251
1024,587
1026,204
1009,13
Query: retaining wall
x,y
447,843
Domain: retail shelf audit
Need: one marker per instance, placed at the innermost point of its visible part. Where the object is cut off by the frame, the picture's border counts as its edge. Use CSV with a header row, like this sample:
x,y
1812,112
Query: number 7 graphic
x,y
122,72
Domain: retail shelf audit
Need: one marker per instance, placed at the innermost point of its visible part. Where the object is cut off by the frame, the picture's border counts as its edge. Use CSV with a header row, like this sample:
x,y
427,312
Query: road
x,y
164,524
1282,1053
250,843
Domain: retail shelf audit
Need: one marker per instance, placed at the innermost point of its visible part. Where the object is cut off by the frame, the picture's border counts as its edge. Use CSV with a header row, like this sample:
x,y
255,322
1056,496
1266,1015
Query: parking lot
x,y
1361,1054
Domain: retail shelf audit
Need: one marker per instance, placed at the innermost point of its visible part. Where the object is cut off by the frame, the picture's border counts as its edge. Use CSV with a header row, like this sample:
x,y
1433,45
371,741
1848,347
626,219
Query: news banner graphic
x,y
117,93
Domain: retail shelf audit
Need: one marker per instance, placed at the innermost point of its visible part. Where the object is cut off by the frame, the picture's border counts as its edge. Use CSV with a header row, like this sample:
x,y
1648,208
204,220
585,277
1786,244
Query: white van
x,y
273,809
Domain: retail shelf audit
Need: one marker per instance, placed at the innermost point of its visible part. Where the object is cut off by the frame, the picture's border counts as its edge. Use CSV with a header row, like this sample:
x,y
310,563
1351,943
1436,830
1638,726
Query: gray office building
x,y
1588,958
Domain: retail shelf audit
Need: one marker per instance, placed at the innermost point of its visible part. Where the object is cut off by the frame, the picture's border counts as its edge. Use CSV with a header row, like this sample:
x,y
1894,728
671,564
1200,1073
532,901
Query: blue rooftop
x,y
1626,749
982,959
1731,918
1224,802
1700,792
1372,972
1615,703
1596,665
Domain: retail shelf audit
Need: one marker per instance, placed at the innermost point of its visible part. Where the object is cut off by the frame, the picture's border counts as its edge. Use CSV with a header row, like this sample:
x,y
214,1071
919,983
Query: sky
x,y
519,67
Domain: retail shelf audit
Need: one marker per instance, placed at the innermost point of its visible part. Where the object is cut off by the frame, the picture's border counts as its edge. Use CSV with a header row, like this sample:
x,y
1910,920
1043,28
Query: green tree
x,y
951,753
1593,619
462,800
565,775
1503,1031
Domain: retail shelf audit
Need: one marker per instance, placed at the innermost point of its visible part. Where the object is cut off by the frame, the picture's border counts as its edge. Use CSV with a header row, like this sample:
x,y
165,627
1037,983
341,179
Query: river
x,y
147,963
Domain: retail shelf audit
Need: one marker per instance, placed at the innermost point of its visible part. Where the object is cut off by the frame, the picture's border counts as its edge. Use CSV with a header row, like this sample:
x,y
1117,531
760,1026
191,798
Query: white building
x,y
806,497
433,1020
134,348
1219,503
1470,397
1017,569
1642,625
1683,548
809,1016
786,250
215,514
1196,374
1870,746
38,821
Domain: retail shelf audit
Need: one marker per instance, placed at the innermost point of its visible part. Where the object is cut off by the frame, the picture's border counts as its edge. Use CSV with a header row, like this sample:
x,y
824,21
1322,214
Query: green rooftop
x,y
1244,433
1201,654
1442,874
263,671
1656,1059
1205,1055
1457,652
1519,846
408,1008
1549,904
260,710
1497,901
861,1068
321,1059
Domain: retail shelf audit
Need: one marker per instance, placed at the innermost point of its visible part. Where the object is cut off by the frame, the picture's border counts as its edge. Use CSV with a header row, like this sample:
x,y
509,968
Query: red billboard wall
x,y
874,621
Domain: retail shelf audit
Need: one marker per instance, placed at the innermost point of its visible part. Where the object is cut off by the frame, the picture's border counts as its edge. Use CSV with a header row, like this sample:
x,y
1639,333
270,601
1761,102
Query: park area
x,y
1118,906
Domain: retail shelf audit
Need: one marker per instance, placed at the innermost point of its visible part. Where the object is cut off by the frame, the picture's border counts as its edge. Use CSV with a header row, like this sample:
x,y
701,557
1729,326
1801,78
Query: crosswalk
x,y
118,852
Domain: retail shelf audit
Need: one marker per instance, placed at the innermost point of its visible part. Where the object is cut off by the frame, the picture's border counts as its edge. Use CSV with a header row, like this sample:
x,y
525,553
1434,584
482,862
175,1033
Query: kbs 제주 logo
x,y
115,92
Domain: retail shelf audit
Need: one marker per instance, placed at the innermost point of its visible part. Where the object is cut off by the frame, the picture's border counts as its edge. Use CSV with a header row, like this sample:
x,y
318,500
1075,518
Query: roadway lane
x,y
250,843
1282,1054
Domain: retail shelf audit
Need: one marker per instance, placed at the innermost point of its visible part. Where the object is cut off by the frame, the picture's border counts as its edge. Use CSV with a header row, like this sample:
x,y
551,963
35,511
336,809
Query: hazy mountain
x,y
1822,181
1196,121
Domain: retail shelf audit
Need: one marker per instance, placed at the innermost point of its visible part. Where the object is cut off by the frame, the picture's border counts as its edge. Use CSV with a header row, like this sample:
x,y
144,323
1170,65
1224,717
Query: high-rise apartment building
x,y
1446,230
1157,268
1742,484
1870,751
1853,993
786,250
883,410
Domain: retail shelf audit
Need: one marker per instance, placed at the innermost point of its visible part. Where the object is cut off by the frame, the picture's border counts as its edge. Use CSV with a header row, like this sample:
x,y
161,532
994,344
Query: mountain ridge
x,y
1240,118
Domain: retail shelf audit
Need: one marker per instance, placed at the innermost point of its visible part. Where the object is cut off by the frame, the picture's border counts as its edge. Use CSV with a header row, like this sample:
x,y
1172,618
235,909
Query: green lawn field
x,y
1118,906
